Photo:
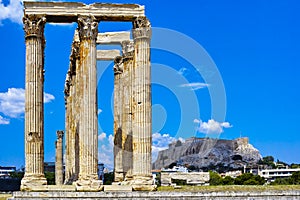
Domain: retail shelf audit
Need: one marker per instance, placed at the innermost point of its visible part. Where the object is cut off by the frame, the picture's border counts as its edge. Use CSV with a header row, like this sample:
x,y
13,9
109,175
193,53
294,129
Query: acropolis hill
x,y
203,152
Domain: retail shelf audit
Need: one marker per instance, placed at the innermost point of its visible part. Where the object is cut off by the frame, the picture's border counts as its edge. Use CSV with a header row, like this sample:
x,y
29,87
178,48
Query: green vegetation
x,y
108,178
18,175
268,160
50,176
244,179
249,179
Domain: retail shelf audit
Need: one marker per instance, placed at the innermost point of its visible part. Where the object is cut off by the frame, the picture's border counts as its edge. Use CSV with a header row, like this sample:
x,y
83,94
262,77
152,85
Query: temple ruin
x,y
132,96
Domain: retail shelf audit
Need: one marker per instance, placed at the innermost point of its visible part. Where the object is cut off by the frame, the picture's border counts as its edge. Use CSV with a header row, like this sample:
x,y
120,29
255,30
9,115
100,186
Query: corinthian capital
x,y
141,22
87,27
141,28
34,25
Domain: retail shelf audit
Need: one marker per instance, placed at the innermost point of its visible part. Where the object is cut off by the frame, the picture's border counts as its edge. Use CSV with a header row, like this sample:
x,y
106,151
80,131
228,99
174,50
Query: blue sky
x,y
219,68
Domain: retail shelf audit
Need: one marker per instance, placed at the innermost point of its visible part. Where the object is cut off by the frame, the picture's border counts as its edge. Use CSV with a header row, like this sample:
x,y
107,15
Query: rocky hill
x,y
204,152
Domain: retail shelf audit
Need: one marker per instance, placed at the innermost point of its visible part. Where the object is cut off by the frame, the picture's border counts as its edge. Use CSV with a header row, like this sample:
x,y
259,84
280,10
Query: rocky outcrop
x,y
204,152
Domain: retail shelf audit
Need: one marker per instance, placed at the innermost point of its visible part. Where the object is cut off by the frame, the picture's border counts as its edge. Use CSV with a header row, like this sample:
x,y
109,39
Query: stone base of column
x,y
119,176
143,183
30,182
90,185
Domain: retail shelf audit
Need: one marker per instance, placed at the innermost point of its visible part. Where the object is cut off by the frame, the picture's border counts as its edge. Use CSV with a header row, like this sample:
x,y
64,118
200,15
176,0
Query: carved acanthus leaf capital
x,y
141,22
34,25
87,27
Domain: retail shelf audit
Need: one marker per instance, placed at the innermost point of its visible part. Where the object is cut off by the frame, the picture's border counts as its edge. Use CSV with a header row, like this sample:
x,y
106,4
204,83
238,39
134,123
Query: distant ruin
x,y
132,95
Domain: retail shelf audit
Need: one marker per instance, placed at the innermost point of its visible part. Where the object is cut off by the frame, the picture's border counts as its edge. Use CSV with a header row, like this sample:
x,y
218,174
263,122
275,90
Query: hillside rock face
x,y
204,152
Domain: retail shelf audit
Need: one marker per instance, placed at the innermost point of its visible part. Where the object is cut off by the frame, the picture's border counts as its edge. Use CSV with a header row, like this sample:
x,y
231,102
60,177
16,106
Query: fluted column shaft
x,y
142,122
34,102
127,76
118,129
59,177
72,115
88,130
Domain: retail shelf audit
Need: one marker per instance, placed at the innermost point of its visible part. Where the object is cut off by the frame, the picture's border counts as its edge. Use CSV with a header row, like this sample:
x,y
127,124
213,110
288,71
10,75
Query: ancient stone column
x,y
59,176
128,51
88,129
118,132
34,102
72,117
142,122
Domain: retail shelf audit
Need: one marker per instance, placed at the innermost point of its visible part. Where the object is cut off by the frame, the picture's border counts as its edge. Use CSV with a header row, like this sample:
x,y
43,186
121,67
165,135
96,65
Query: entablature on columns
x,y
68,12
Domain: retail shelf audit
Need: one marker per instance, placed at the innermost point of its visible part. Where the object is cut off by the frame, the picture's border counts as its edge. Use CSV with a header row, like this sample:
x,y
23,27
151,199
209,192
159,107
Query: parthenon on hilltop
x,y
132,96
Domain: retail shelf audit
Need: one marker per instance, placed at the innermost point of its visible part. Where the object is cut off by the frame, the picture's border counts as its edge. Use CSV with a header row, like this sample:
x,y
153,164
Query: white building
x,y
272,174
4,171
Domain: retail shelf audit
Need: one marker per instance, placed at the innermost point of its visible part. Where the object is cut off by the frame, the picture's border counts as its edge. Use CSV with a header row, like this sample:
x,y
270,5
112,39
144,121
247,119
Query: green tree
x,y
108,178
295,178
281,181
50,176
215,178
18,175
227,180
267,160
249,179
295,166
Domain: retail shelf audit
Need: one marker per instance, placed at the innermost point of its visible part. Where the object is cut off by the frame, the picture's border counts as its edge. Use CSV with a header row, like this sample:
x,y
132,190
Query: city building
x,y
272,174
4,171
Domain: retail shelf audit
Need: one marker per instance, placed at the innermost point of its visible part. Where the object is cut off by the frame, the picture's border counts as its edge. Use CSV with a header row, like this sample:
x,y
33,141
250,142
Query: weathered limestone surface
x,y
118,132
34,103
88,129
142,113
69,11
72,100
228,195
127,162
107,54
59,176
117,188
114,38
132,95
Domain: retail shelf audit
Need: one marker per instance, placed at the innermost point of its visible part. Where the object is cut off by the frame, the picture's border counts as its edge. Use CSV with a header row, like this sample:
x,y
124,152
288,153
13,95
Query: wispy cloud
x,y
13,11
99,111
12,102
212,126
195,85
3,120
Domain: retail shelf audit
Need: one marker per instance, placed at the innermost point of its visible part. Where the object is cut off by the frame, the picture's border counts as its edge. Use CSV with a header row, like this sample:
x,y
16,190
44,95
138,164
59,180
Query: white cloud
x,y
12,102
212,126
195,85
105,152
102,136
48,97
13,11
63,24
3,120
161,142
99,111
